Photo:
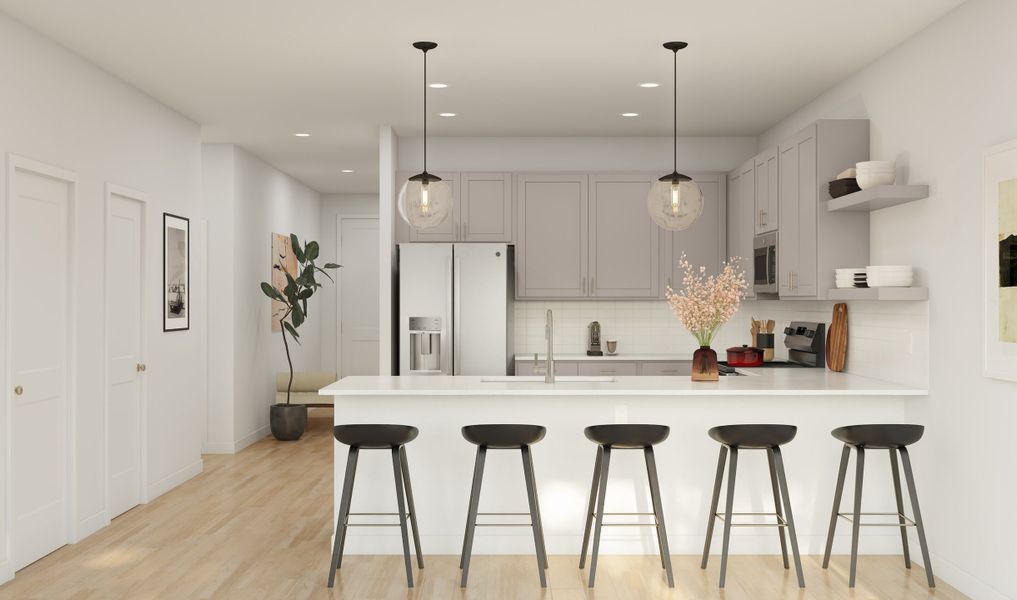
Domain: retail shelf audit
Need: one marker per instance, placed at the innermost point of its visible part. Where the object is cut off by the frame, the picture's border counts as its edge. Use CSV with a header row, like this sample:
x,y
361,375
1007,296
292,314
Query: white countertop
x,y
611,357
761,382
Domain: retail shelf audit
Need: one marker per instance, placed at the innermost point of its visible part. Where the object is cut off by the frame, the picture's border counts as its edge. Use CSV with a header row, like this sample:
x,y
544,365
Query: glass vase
x,y
704,365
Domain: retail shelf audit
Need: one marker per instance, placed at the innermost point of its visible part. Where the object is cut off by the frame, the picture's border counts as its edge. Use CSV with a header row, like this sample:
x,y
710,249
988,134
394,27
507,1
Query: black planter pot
x,y
288,421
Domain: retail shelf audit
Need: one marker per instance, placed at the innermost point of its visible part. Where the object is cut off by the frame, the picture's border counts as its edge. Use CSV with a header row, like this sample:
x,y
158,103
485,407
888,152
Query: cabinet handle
x,y
584,284
18,390
762,218
141,367
593,285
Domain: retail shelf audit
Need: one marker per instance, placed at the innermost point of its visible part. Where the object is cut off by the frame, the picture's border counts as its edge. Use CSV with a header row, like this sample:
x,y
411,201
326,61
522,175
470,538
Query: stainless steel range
x,y
806,348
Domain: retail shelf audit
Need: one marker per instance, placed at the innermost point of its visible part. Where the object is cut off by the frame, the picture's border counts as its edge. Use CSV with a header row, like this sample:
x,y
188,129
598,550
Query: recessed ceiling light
x,y
438,86
347,170
630,114
446,114
302,134
649,84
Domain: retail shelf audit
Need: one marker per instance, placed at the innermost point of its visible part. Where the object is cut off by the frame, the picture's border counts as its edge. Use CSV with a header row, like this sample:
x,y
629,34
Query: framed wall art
x,y
1001,261
176,271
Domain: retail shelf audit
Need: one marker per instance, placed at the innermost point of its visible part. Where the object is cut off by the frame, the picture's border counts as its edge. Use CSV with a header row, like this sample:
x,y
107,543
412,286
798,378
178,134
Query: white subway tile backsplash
x,y
886,340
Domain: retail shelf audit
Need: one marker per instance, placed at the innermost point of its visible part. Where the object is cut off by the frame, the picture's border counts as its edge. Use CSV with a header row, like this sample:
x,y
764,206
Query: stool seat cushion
x,y
879,436
504,437
627,436
754,436
374,436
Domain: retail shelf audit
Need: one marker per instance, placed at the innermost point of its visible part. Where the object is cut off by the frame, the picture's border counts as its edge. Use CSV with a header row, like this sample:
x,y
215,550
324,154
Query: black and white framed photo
x,y
176,271
1001,262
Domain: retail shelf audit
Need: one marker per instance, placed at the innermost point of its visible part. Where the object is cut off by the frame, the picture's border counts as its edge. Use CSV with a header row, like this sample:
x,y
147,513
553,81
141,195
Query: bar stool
x,y
504,437
895,439
624,437
753,437
377,437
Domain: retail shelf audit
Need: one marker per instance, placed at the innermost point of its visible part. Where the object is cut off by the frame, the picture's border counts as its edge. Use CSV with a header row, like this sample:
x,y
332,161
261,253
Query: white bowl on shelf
x,y
871,179
876,165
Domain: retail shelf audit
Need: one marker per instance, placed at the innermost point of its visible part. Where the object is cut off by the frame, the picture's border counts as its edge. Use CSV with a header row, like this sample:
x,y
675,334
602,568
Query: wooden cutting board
x,y
837,338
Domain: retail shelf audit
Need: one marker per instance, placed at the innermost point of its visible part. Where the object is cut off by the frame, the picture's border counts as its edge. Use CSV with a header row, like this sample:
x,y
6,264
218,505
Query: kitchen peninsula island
x,y
441,461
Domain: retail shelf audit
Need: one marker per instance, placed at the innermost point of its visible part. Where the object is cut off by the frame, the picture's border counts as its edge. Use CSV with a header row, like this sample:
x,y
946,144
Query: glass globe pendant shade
x,y
675,202
425,201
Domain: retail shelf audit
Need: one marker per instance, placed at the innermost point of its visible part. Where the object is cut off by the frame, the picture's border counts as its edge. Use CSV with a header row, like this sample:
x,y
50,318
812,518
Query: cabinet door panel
x,y
797,246
624,241
741,208
766,191
705,241
611,368
445,232
486,207
669,368
551,259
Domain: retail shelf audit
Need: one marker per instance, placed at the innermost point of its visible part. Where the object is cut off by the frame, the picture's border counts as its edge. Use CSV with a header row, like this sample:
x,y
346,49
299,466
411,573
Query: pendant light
x,y
675,201
425,201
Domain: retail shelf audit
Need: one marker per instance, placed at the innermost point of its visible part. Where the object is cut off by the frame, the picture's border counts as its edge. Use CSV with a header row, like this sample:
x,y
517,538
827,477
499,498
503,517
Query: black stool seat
x,y
374,437
627,436
754,436
879,436
504,437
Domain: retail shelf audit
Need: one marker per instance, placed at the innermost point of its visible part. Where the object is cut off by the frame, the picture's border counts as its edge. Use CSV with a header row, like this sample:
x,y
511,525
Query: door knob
x,y
141,367
19,390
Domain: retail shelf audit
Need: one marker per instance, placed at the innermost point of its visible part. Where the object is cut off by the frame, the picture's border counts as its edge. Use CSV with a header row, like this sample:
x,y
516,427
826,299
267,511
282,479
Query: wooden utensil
x,y
837,338
755,331
770,325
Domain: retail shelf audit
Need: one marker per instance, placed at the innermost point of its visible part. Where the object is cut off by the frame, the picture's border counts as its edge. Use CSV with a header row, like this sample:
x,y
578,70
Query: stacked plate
x,y
875,172
852,277
890,275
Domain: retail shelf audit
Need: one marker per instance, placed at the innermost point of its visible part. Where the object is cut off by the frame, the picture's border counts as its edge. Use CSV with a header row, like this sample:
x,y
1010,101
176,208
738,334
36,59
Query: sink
x,y
540,379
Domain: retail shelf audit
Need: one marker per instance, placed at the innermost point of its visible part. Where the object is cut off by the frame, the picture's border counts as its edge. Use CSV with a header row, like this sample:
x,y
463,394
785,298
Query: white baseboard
x,y
965,582
6,571
247,440
90,525
219,448
173,480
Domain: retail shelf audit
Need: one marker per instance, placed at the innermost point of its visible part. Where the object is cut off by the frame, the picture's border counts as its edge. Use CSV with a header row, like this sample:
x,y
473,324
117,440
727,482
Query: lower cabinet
x,y
561,367
595,367
666,368
608,368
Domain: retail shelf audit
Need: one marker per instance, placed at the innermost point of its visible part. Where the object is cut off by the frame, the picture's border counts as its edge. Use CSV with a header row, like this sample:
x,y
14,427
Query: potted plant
x,y
288,420
704,304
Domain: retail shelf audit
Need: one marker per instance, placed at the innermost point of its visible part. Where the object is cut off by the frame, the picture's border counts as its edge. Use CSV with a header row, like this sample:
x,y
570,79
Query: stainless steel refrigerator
x,y
455,309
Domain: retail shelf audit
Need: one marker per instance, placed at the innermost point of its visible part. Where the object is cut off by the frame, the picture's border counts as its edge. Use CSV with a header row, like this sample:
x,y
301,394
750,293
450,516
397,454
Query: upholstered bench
x,y
305,388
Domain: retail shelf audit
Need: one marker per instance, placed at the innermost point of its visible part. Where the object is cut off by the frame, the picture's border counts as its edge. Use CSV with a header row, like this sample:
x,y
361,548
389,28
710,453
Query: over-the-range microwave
x,y
764,263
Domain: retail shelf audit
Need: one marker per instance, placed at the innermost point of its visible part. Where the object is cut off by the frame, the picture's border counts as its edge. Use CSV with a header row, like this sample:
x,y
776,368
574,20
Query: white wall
x,y
575,153
262,200
936,102
332,207
58,109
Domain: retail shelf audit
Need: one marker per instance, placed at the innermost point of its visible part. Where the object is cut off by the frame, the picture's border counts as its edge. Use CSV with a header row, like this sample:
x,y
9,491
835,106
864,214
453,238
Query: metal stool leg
x,y
412,508
856,524
466,530
471,519
531,497
778,458
397,471
895,471
606,463
344,512
732,469
658,513
536,500
841,474
592,505
776,504
919,523
713,504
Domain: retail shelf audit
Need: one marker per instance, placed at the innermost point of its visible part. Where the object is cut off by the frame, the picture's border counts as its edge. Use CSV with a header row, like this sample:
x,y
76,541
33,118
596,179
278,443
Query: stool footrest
x,y
908,522
781,521
347,523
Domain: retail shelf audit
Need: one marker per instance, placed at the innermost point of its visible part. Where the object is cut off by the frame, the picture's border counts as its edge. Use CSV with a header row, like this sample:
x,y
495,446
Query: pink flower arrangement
x,y
706,302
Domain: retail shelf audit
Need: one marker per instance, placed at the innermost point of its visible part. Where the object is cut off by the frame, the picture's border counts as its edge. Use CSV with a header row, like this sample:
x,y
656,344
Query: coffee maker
x,y
594,347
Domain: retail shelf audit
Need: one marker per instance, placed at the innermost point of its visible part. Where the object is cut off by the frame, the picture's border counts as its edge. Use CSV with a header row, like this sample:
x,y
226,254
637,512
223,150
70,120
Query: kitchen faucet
x,y
548,368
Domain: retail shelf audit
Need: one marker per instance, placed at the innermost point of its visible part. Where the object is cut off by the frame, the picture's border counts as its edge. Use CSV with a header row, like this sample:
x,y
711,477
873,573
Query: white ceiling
x,y
253,72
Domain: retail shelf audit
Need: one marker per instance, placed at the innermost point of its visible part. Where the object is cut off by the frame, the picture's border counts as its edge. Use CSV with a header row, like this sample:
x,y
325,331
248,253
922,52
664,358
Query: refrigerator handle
x,y
446,349
456,337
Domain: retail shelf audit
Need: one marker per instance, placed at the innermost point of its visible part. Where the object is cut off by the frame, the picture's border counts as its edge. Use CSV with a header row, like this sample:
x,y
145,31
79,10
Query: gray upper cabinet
x,y
447,231
485,207
741,212
704,243
813,241
624,241
552,234
765,185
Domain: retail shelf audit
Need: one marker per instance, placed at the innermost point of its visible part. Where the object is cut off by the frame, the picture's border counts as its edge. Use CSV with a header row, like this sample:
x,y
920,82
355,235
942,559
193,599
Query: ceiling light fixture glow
x,y
347,171
446,114
649,84
630,114
302,134
438,86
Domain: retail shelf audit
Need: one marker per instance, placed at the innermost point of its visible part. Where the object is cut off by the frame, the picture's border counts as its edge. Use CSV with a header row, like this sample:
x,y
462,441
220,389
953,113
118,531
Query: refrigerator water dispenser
x,y
425,345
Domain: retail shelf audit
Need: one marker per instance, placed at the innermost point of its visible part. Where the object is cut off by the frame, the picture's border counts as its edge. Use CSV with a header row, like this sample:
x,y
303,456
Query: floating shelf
x,y
879,293
881,196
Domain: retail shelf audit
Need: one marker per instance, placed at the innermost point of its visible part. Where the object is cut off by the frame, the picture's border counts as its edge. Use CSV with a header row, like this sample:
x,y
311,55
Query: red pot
x,y
744,356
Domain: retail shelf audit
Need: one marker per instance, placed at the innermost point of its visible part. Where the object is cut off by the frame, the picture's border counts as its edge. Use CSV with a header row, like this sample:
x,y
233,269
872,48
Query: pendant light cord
x,y
675,111
425,111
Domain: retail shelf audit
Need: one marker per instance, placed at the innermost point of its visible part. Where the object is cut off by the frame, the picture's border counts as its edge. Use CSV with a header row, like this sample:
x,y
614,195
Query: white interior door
x,y
358,296
38,268
124,248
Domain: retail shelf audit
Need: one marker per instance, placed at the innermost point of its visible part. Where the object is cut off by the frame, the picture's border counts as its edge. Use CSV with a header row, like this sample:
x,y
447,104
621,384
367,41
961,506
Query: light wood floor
x,y
257,525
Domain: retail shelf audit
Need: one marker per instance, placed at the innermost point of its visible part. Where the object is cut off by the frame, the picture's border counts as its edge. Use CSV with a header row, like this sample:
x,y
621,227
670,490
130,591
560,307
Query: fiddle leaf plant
x,y
297,292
